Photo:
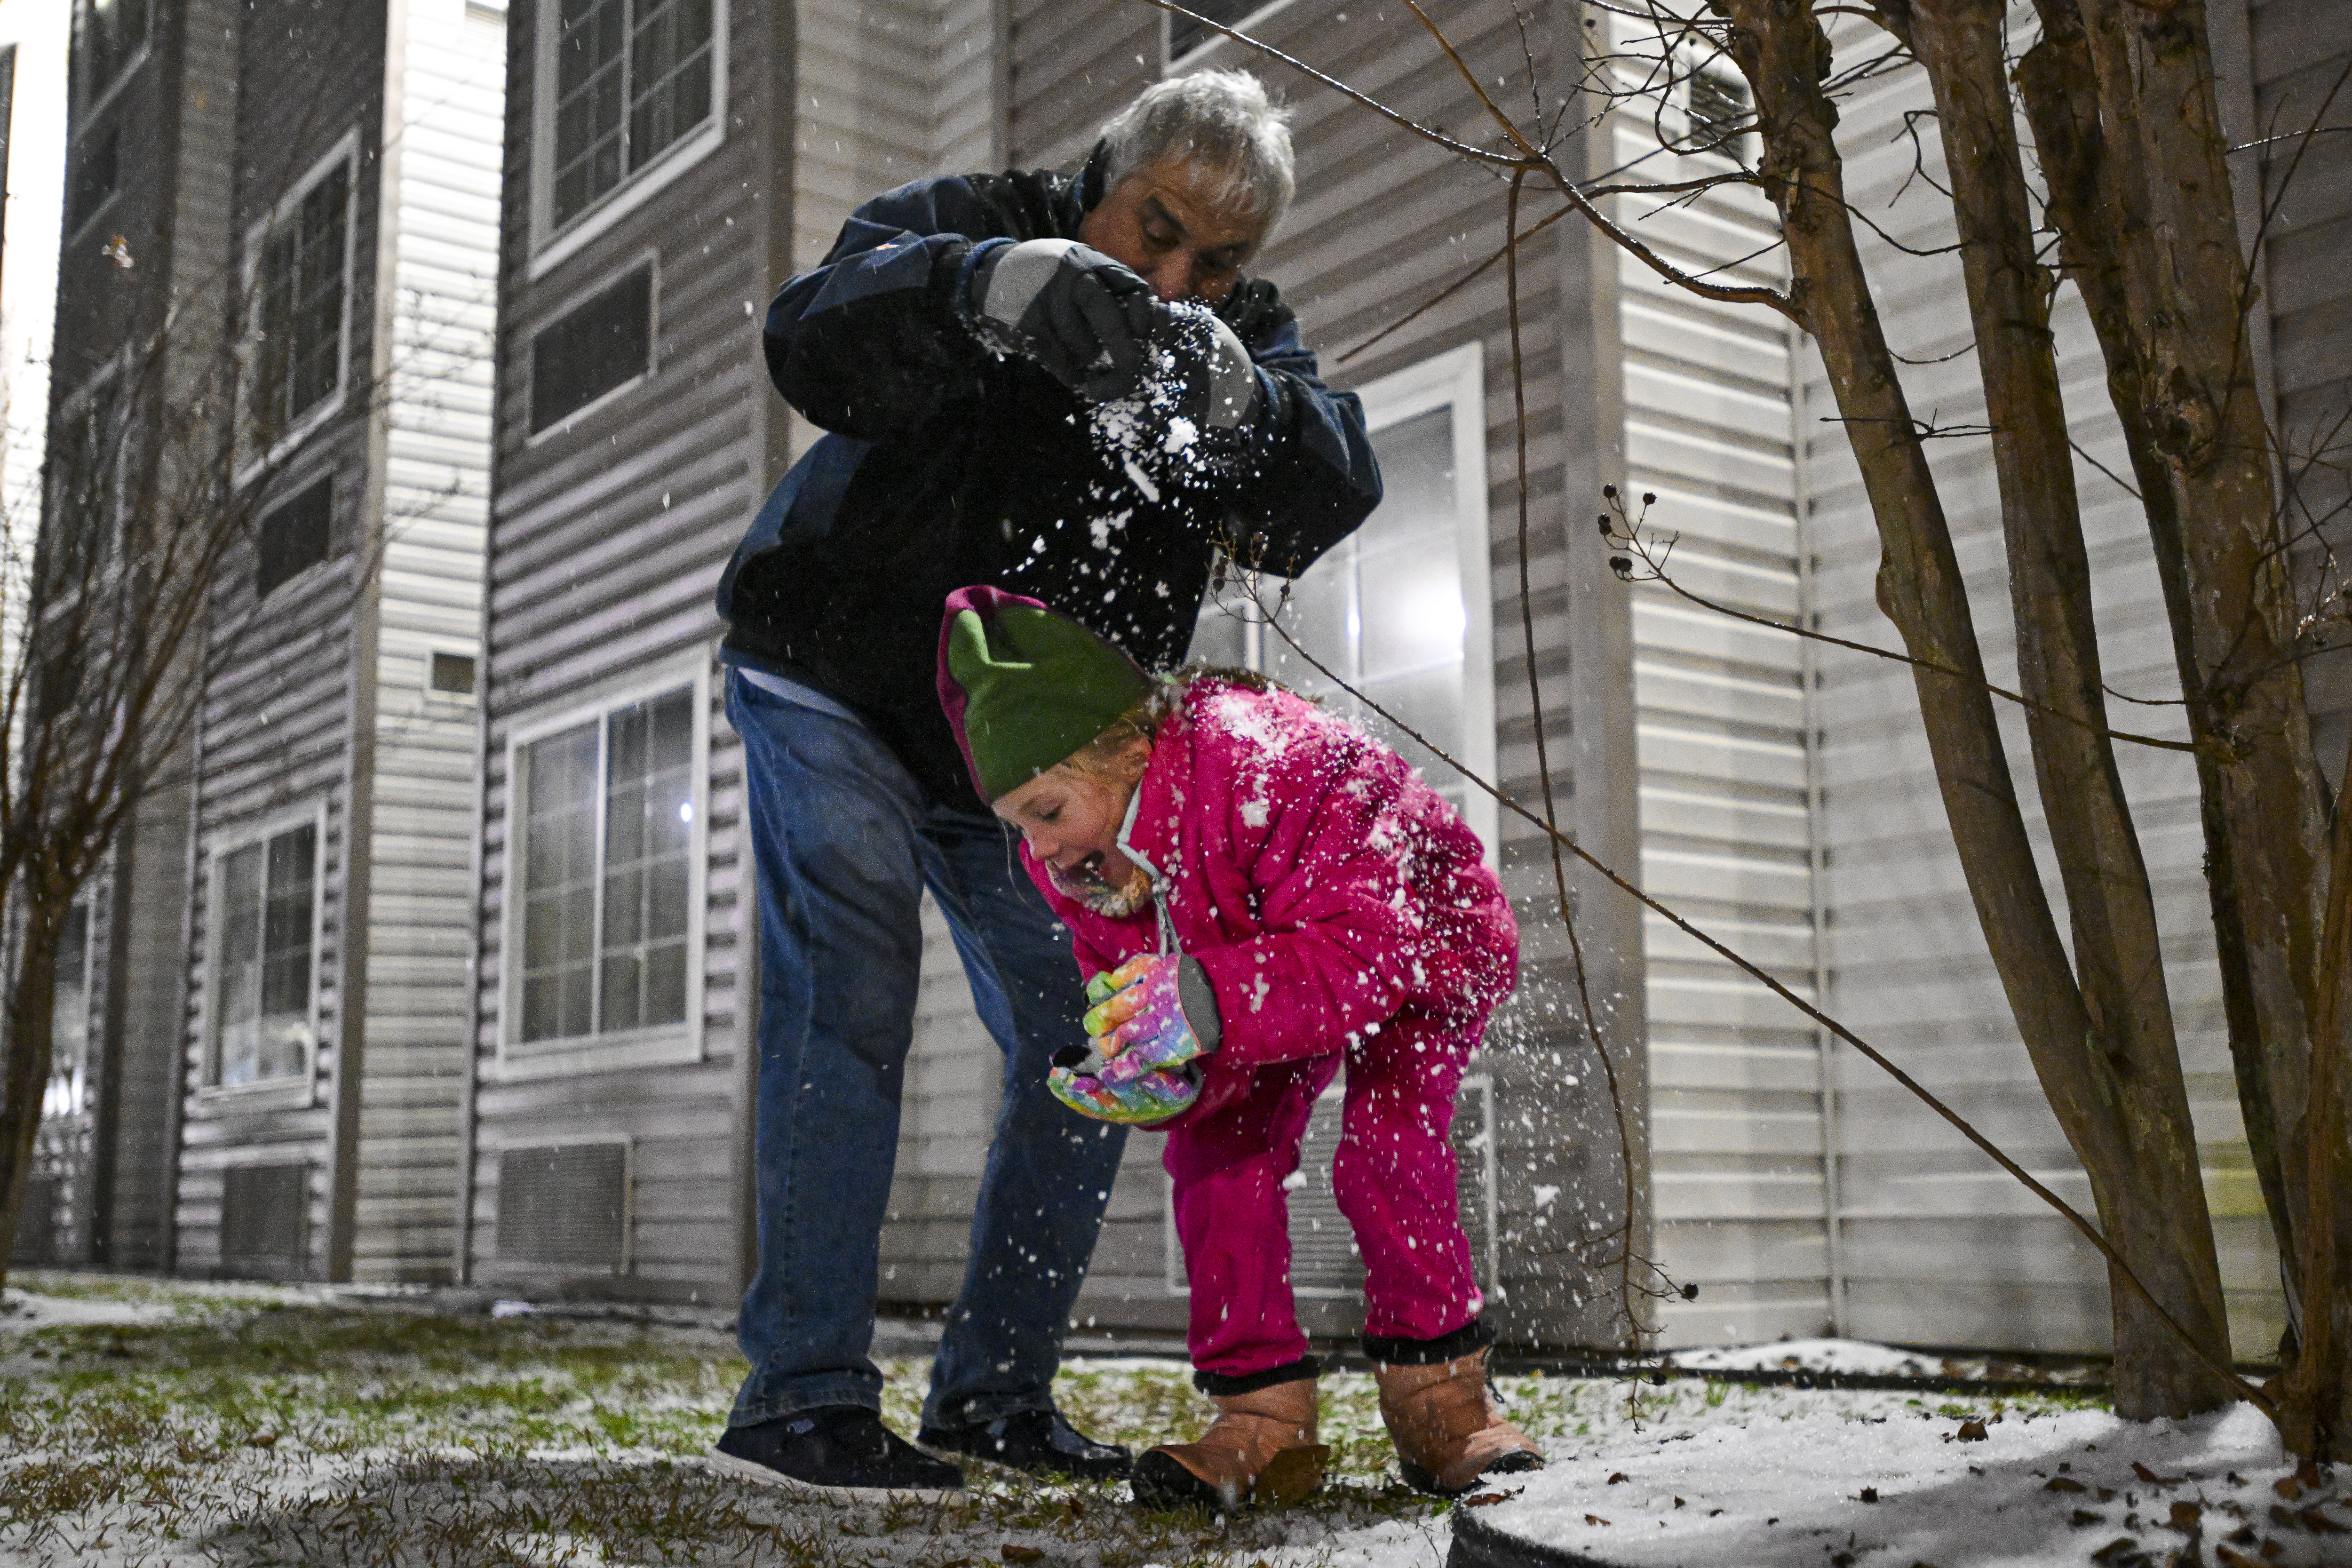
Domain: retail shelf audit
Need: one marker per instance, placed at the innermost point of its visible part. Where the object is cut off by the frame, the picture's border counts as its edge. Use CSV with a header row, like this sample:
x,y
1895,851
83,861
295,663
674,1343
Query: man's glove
x,y
1143,1016
1080,315
1215,381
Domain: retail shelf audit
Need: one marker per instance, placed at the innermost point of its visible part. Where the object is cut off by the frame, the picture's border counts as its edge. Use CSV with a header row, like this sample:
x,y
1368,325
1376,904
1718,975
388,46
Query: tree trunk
x,y
2153,1208
2102,236
1780,47
25,1056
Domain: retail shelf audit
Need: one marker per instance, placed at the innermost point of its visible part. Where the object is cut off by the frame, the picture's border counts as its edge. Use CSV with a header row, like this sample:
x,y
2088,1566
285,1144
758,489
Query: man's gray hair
x,y
1221,119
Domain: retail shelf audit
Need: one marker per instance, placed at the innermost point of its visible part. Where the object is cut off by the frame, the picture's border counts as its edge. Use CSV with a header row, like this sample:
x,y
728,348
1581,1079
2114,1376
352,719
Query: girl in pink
x,y
1257,892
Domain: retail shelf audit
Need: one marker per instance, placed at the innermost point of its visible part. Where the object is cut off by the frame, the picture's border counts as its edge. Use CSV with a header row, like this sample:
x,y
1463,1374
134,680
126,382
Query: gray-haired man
x,y
1063,386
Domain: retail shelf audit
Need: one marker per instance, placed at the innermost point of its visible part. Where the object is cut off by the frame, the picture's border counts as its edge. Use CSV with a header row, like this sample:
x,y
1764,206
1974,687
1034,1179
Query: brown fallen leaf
x,y
1971,1432
2271,1550
1594,1519
2307,1473
1619,1476
2063,1484
1869,1494
1484,1499
1012,1553
2152,1478
2185,1516
2114,1549
2084,1518
2288,1488
2229,1559
2319,1523
2284,1519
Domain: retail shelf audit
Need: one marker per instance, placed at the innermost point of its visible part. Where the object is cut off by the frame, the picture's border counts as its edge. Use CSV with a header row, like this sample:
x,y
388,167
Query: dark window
x,y
632,77
107,35
301,287
453,673
85,460
1718,109
97,169
294,537
1185,35
597,346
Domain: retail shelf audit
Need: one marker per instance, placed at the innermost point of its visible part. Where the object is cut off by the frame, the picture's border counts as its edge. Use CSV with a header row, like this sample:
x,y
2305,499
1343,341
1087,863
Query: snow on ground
x,y
1896,1488
1864,1358
166,1426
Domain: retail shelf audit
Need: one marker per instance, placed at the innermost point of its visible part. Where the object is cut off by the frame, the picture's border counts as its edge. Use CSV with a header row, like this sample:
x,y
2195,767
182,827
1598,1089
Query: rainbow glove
x,y
1141,1017
1156,1096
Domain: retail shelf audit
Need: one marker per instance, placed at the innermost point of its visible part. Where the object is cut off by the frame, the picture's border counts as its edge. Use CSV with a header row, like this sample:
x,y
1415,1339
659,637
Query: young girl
x,y
1255,891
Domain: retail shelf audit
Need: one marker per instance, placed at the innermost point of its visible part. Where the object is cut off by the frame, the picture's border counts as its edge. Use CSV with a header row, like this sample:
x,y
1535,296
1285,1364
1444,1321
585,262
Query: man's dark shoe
x,y
1038,1441
837,1450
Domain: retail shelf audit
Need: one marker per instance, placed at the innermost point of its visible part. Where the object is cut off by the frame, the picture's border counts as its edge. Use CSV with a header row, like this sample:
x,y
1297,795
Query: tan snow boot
x,y
1261,1448
1447,1428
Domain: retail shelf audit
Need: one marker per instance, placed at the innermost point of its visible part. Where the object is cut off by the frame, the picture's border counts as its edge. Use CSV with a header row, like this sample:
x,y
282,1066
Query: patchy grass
x,y
255,1427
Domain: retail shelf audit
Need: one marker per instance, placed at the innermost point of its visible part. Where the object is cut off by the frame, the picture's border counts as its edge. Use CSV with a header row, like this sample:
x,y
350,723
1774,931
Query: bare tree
x,y
2126,164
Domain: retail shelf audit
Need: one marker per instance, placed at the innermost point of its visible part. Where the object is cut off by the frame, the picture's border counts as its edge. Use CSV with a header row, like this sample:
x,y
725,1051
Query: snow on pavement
x,y
1900,1487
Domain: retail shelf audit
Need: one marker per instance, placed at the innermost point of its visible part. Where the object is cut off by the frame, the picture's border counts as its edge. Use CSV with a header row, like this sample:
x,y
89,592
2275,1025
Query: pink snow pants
x,y
1394,1177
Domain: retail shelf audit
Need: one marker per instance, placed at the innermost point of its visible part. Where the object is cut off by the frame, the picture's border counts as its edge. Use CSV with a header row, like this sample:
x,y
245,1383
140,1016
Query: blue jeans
x,y
844,843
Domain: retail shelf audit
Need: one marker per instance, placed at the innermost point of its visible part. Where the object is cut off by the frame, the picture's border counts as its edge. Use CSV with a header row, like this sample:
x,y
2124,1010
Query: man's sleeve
x,y
1315,479
870,344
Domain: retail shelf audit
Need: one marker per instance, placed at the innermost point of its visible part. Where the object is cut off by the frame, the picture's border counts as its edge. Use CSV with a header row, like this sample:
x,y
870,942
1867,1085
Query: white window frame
x,y
345,152
295,1089
1171,63
550,246
662,1044
572,300
1458,378
106,93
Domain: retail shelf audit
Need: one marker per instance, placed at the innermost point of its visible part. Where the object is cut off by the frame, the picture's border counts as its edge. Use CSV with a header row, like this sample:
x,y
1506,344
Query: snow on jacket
x,y
948,465
1322,886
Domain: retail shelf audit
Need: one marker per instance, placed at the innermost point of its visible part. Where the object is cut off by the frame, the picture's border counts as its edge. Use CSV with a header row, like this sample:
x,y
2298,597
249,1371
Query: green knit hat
x,y
1024,688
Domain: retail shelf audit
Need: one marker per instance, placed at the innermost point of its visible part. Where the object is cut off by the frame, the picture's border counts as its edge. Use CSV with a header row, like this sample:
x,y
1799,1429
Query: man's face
x,y
1169,223
1071,820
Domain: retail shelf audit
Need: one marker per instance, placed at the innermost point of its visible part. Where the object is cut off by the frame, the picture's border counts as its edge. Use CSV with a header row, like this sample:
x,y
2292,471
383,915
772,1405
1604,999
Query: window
x,y
631,79
69,1018
450,674
597,347
302,279
97,171
1399,609
605,869
84,476
293,538
264,902
109,37
1186,36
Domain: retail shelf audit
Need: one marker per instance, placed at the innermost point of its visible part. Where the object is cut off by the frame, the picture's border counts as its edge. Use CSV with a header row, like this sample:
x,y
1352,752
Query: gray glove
x,y
1218,387
1081,316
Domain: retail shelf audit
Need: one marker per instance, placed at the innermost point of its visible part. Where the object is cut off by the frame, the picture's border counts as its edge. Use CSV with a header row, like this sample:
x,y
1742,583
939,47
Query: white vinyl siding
x,y
1740,1185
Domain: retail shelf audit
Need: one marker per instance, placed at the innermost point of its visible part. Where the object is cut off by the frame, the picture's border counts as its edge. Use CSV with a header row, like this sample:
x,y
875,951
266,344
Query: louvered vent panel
x,y
265,1220
36,1230
1323,1257
565,1204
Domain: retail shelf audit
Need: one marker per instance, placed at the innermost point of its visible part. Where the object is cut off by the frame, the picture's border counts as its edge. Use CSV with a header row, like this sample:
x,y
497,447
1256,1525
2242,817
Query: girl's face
x,y
1070,818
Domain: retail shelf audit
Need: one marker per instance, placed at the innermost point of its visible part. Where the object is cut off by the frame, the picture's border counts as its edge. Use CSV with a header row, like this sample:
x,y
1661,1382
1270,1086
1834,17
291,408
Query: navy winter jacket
x,y
947,465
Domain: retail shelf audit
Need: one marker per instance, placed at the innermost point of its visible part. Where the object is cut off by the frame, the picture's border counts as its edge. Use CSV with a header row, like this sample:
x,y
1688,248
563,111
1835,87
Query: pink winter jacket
x,y
1320,883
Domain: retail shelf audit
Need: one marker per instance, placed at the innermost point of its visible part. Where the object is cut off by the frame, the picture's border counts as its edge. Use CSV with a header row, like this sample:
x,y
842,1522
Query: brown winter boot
x,y
1260,1449
1447,1428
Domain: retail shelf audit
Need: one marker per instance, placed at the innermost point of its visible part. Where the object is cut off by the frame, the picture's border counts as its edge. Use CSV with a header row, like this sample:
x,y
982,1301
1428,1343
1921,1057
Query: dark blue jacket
x,y
947,465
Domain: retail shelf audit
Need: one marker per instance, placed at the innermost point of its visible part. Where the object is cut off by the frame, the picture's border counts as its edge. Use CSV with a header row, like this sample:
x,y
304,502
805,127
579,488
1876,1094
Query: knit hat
x,y
1025,688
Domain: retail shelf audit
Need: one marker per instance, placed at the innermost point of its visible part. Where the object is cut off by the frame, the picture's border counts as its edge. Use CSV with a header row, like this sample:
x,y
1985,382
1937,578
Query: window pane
x,y
649,802
237,991
1416,482
299,358
604,343
1412,611
558,890
589,46
669,75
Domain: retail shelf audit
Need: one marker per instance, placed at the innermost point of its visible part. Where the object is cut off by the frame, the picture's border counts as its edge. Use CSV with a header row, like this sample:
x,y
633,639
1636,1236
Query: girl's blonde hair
x,y
1098,758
